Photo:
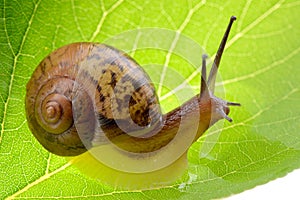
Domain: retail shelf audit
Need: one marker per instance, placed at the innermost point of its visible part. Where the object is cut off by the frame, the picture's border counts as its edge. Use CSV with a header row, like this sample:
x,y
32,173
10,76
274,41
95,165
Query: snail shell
x,y
81,84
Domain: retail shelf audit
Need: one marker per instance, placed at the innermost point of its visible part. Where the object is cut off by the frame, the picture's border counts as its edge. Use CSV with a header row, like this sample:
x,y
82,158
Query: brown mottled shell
x,y
82,86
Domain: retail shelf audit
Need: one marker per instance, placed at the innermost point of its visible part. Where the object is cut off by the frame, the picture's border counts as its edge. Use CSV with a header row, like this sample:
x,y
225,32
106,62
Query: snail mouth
x,y
226,110
222,109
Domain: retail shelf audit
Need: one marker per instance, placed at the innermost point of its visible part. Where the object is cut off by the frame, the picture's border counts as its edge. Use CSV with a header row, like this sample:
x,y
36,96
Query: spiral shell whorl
x,y
54,111
49,102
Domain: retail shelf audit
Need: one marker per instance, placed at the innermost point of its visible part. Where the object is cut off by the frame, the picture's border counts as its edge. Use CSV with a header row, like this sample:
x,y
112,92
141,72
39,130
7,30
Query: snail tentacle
x,y
204,91
232,103
213,72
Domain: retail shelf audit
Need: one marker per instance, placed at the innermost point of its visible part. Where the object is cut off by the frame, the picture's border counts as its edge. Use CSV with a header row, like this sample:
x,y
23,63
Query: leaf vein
x,y
103,17
14,66
39,180
263,70
174,43
229,44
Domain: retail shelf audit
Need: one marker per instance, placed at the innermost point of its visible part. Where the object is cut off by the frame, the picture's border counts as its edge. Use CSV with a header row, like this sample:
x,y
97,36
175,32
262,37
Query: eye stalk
x,y
213,72
208,85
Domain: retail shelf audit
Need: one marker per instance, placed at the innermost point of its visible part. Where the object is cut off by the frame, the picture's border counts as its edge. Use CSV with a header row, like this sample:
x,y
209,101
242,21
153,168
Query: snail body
x,y
91,96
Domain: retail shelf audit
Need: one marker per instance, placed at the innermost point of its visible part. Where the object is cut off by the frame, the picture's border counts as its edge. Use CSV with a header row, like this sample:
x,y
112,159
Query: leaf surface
x,y
259,69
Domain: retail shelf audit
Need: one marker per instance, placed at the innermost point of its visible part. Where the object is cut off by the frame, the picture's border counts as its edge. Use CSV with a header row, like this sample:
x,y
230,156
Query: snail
x,y
92,98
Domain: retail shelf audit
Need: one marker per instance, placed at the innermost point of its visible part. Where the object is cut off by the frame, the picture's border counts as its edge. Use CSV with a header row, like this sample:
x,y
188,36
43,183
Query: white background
x,y
286,188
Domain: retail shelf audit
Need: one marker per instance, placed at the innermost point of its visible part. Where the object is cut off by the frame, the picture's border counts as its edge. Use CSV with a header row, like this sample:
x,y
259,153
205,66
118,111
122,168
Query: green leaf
x,y
259,69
